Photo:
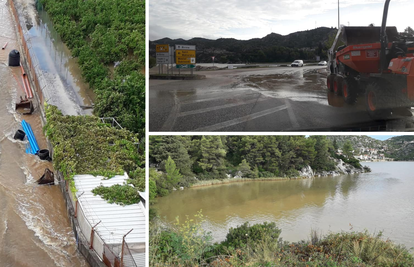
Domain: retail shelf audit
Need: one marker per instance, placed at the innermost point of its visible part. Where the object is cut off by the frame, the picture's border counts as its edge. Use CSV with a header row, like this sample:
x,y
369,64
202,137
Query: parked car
x,y
323,63
297,63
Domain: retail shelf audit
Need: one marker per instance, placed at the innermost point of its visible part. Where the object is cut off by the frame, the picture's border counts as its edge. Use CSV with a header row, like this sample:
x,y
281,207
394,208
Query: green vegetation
x,y
259,245
100,33
85,145
216,157
119,194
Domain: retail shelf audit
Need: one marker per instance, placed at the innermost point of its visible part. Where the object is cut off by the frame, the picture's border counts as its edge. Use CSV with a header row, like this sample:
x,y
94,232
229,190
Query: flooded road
x,y
378,201
58,71
257,99
34,227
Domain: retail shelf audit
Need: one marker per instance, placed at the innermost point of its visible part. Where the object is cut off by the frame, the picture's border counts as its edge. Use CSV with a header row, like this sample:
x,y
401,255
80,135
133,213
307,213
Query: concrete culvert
x,y
14,58
19,135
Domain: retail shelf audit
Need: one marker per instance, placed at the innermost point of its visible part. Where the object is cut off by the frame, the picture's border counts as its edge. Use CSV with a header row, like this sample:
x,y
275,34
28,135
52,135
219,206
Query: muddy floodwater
x,y
382,200
34,227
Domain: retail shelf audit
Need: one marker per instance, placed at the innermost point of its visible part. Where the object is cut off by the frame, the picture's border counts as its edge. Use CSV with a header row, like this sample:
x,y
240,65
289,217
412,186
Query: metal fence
x,y
119,255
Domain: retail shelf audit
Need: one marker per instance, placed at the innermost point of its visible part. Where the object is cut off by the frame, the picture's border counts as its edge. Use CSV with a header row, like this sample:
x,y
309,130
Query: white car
x,y
297,63
322,63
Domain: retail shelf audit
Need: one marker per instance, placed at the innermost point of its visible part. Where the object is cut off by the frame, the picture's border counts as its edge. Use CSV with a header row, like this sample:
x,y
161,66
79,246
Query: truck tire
x,y
329,82
376,101
337,85
349,91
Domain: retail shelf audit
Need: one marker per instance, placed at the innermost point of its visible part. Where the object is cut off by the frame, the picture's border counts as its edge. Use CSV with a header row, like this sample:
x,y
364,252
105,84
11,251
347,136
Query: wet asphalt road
x,y
253,100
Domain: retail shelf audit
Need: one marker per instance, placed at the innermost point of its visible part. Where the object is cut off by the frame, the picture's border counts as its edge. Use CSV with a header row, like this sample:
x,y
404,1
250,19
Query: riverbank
x,y
306,173
239,180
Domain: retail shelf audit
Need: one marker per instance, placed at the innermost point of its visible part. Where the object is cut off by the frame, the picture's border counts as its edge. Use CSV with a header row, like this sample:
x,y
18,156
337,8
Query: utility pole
x,y
338,14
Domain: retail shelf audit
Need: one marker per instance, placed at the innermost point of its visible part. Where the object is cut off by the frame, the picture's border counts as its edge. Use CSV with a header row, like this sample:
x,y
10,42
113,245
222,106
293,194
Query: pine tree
x,y
322,160
212,154
245,168
172,173
161,147
347,149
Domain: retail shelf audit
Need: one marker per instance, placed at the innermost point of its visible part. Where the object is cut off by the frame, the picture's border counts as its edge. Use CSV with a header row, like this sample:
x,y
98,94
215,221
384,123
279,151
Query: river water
x,y
382,200
34,227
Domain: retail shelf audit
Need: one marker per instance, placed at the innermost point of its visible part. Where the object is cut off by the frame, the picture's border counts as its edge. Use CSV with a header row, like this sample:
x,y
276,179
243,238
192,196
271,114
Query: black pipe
x,y
383,37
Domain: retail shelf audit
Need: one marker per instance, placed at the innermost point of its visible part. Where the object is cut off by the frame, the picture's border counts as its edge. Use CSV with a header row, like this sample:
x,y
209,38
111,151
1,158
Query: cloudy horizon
x,y
244,20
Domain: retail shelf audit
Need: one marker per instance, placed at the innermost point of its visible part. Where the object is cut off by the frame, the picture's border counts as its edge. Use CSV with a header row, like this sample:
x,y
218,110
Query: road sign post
x,y
185,57
162,56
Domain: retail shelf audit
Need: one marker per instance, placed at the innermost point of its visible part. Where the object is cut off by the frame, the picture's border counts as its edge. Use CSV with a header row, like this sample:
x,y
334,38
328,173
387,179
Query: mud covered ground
x,y
259,99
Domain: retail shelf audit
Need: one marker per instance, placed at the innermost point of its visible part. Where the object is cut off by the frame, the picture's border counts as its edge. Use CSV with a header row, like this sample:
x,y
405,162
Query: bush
x,y
182,244
119,194
245,234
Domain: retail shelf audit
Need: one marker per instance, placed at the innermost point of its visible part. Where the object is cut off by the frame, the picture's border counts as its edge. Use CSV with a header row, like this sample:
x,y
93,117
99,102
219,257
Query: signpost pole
x,y
172,59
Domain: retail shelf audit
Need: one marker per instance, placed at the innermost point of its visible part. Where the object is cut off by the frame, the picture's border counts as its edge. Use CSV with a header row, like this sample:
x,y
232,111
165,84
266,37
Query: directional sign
x,y
185,57
162,48
163,60
185,66
185,47
185,60
185,53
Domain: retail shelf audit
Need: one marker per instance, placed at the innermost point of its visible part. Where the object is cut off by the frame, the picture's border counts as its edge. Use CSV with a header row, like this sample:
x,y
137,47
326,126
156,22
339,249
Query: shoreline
x,y
213,182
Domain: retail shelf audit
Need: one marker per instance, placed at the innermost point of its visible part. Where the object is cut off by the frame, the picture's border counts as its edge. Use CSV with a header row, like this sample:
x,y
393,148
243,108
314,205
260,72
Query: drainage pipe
x,y
26,91
29,89
30,136
4,46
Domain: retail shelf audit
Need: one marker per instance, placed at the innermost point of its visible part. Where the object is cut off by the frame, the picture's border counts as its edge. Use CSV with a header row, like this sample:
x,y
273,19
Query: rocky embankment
x,y
340,169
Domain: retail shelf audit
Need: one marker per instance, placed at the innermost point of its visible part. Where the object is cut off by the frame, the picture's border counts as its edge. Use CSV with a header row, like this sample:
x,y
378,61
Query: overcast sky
x,y
246,19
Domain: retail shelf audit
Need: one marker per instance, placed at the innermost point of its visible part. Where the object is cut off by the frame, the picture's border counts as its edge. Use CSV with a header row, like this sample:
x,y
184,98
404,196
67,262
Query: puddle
x,y
297,85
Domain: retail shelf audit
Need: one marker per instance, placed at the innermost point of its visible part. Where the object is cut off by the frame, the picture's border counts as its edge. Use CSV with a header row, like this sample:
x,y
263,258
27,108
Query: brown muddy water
x,y
382,200
34,227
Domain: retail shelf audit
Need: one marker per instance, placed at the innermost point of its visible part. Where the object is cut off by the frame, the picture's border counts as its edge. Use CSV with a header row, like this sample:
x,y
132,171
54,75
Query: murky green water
x,y
382,200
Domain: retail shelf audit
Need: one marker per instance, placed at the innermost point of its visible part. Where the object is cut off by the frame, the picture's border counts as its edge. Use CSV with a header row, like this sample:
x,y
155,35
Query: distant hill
x,y
271,48
399,148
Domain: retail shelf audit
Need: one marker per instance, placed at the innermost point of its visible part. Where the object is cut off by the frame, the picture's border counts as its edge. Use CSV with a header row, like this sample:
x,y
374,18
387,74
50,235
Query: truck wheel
x,y
375,102
337,85
329,82
349,91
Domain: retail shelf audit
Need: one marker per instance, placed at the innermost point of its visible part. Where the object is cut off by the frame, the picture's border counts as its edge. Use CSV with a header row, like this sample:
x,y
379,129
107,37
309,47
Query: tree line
x,y
183,160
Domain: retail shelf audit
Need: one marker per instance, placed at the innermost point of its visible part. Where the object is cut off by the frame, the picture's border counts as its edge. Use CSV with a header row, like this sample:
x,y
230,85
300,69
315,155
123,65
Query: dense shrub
x,y
258,245
247,234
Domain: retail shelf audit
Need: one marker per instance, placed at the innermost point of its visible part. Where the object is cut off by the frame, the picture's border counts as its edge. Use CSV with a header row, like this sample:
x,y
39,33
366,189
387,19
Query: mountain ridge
x,y
273,47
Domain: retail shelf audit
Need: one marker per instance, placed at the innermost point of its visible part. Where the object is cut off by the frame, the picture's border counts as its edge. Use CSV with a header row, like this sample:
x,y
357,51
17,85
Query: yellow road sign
x,y
185,57
162,48
186,53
